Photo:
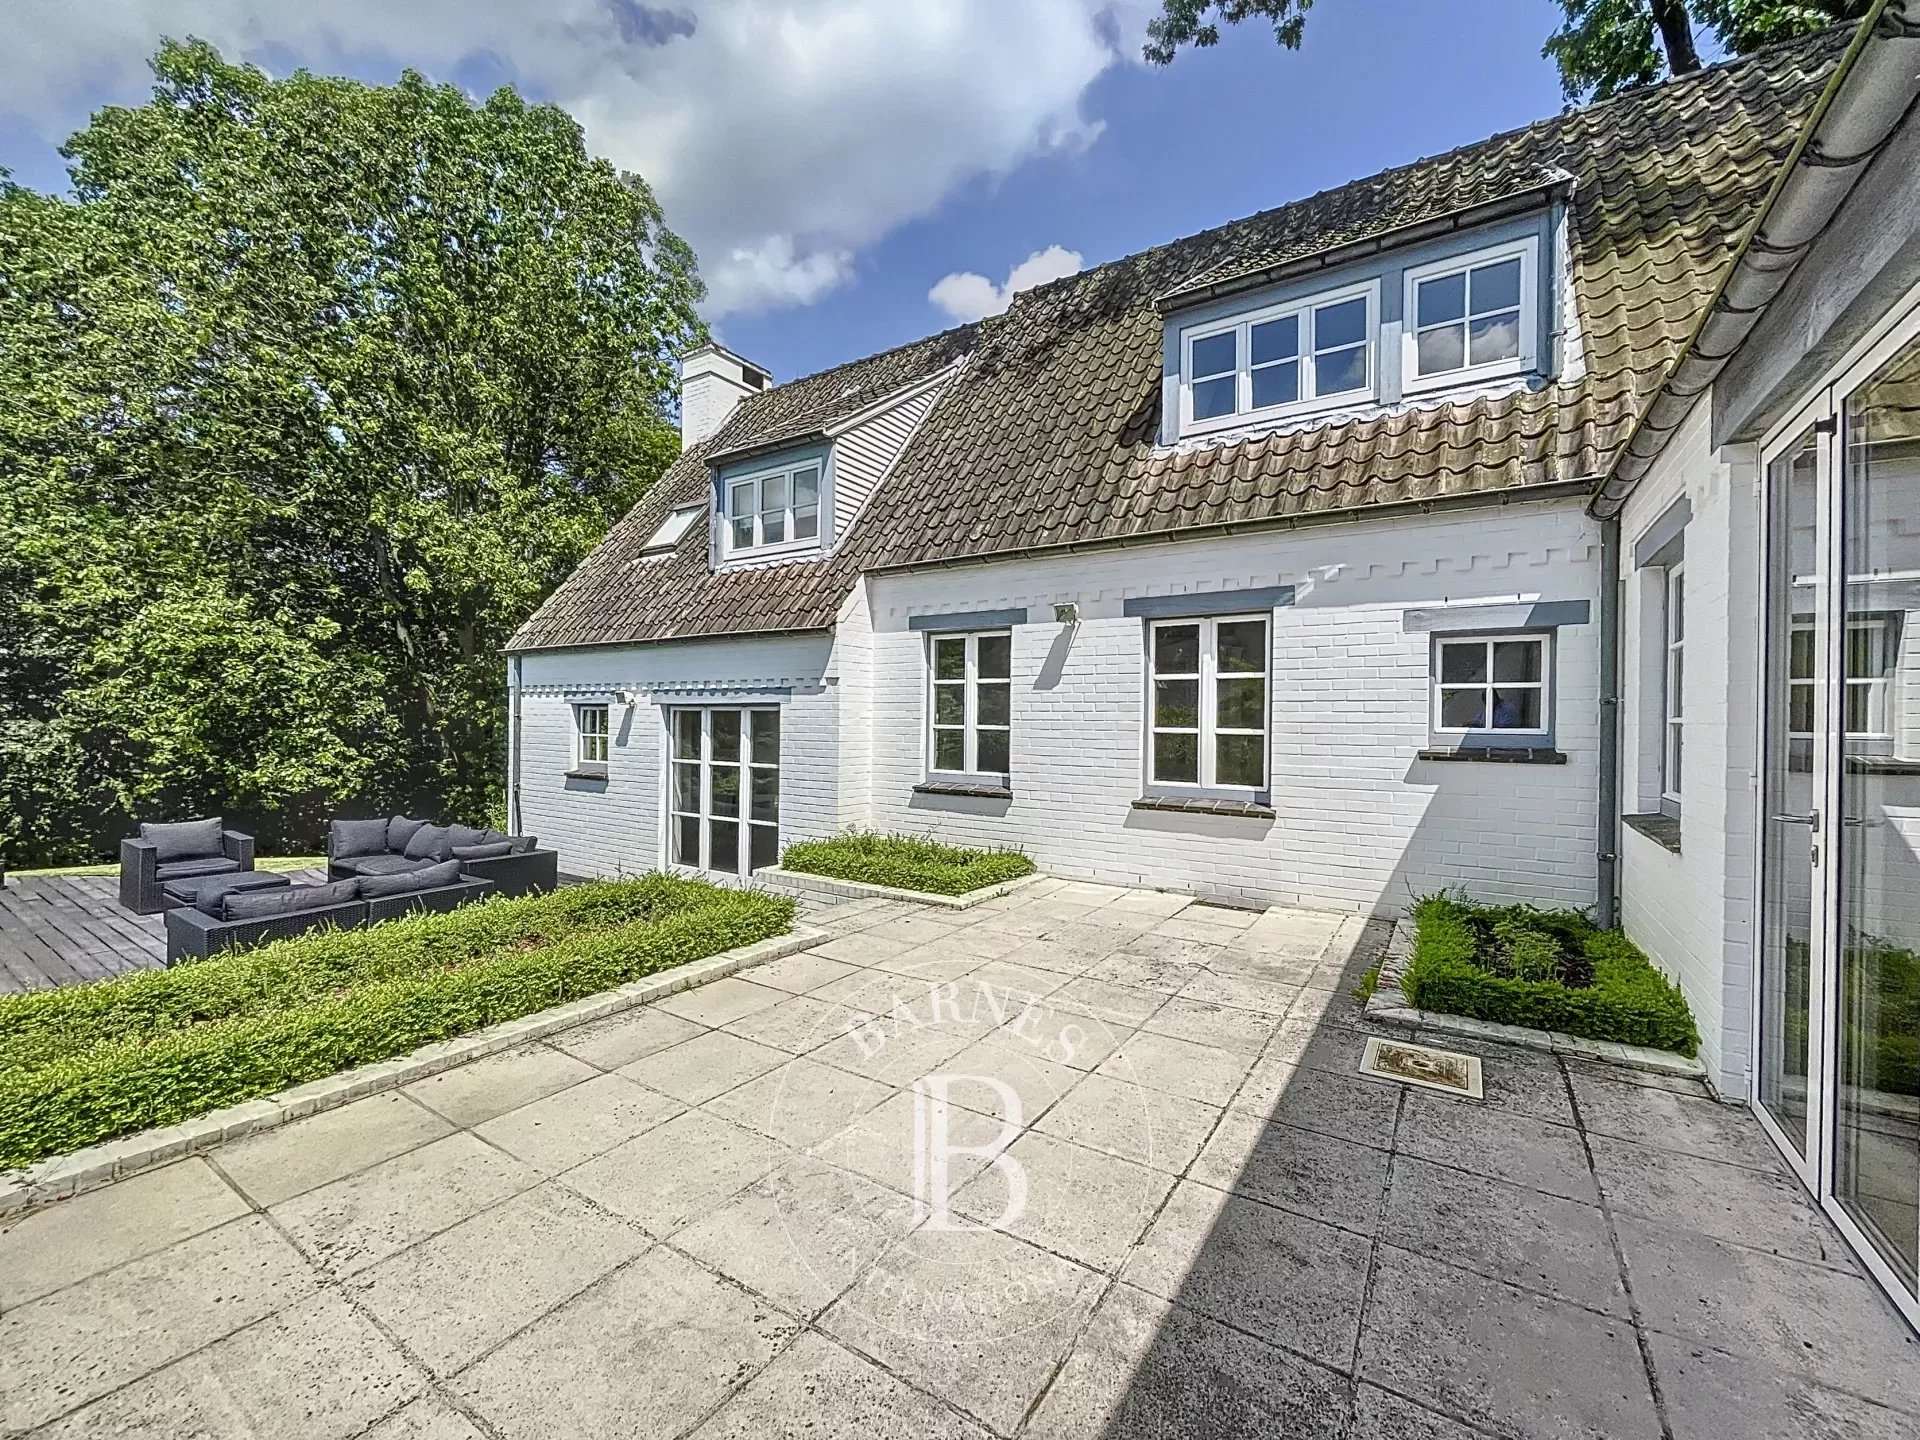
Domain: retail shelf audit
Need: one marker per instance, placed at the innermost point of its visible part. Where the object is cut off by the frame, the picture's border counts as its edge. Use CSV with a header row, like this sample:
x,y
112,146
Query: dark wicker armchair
x,y
143,873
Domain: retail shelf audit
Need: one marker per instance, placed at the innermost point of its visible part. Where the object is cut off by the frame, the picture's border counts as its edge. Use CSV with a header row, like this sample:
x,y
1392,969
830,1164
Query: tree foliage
x,y
310,391
1602,46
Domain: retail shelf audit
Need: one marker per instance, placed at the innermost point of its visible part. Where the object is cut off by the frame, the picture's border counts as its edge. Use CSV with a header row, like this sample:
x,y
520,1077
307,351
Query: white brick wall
x,y
1362,824
1692,912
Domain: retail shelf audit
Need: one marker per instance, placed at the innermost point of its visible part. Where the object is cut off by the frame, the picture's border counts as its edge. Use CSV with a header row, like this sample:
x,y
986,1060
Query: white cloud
x,y
967,296
783,136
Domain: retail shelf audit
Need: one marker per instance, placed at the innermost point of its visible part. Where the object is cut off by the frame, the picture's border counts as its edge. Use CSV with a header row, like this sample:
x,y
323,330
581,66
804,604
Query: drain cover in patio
x,y
1422,1065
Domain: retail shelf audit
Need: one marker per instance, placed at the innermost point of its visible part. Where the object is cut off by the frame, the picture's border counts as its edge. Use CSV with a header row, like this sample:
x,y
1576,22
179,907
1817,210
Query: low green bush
x,y
1544,969
85,1065
906,863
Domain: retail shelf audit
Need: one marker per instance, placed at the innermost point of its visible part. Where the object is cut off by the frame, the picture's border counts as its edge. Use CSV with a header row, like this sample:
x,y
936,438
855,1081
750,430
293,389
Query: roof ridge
x,y
932,337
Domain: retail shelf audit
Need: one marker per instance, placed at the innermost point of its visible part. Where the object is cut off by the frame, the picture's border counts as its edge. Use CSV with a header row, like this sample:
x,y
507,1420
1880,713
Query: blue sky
x,y
834,159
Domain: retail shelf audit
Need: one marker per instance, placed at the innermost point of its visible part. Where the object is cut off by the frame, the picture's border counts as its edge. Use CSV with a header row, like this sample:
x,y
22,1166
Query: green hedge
x,y
85,1065
1629,1000
906,863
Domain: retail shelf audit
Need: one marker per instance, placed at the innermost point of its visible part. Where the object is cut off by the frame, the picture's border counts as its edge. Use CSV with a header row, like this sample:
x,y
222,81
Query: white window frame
x,y
1527,249
731,485
1877,688
667,537
591,745
1207,727
969,685
1542,638
1310,401
705,764
1673,690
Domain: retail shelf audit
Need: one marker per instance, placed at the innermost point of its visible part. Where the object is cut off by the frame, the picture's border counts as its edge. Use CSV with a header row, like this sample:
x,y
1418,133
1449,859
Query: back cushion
x,y
186,840
399,831
482,852
495,837
429,842
466,835
347,838
264,904
522,843
428,877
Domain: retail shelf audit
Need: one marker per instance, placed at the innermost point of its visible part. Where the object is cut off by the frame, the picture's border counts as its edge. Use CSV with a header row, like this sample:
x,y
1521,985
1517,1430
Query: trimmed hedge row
x,y
906,863
237,1027
1629,1001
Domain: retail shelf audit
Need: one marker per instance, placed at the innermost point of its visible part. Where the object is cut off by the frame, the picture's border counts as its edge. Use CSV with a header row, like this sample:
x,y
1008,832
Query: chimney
x,y
712,381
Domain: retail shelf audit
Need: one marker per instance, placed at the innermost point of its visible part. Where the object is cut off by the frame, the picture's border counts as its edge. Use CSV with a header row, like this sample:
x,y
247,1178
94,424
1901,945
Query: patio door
x,y
1838,1022
723,795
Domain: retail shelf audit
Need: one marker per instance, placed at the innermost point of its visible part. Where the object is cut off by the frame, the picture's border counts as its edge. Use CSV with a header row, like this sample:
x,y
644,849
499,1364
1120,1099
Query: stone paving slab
x,y
1198,1221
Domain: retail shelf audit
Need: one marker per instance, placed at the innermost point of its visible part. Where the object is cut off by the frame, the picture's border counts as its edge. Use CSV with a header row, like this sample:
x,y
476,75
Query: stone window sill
x,y
976,792
586,775
1238,809
1496,755
1663,830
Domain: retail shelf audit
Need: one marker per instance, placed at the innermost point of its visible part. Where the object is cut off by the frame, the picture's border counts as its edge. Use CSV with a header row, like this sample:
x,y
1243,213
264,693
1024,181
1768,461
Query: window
x,y
971,712
1208,703
1287,357
724,798
671,529
1491,685
1870,655
590,739
1471,316
1673,708
774,507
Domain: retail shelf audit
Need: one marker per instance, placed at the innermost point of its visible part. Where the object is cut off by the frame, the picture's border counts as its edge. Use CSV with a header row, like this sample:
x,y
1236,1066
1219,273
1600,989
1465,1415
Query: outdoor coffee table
x,y
191,891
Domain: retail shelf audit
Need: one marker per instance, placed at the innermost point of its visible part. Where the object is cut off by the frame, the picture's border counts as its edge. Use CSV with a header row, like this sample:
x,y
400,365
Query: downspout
x,y
1606,900
513,751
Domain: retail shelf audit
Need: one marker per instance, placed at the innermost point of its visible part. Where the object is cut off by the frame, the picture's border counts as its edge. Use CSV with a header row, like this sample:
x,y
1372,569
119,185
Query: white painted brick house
x,y
1534,519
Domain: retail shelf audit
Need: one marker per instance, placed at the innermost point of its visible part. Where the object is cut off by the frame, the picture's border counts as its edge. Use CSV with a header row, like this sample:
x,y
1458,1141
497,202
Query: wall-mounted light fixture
x,y
1067,613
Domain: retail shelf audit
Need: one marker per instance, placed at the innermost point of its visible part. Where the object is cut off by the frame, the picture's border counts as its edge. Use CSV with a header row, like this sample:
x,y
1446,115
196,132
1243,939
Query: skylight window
x,y
667,537
1300,356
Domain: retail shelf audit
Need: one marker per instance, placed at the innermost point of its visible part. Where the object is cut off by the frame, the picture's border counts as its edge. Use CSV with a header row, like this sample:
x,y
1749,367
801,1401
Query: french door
x,y
1838,1015
723,796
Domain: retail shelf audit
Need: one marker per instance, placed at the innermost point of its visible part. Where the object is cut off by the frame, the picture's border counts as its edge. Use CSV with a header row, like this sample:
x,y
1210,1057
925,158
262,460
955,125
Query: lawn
x,y
86,1064
1543,969
906,863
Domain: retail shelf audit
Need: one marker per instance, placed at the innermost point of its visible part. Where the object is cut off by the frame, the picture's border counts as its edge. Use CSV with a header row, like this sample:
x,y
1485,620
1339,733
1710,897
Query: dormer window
x,y
773,508
1293,358
1471,317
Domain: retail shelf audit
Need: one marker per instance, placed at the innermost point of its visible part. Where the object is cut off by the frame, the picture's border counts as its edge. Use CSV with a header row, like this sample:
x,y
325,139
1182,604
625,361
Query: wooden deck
x,y
70,929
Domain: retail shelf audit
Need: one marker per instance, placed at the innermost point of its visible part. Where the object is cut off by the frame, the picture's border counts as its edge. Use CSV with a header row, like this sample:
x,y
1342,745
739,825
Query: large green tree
x,y
1602,46
310,391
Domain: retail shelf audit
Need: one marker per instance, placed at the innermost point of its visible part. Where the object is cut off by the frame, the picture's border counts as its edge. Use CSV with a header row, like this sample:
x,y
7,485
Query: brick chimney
x,y
712,381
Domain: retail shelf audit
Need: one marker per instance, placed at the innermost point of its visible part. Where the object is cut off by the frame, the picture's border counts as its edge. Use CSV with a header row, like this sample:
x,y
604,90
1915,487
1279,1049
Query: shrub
x,y
83,1065
1544,969
906,862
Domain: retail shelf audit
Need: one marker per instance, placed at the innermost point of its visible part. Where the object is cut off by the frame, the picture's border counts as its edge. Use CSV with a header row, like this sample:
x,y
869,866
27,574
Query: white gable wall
x,y
1361,823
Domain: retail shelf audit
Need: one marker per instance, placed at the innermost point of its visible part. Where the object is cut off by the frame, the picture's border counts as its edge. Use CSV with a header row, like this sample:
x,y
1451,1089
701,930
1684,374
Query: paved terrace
x,y
1195,1220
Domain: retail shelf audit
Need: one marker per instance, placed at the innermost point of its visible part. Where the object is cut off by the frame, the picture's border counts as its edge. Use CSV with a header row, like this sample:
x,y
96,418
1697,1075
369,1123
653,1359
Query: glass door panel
x,y
723,811
1877,1072
1789,791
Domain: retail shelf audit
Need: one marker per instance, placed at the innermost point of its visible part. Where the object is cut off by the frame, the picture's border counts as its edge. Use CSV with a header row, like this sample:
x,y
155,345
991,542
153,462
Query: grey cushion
x,y
522,843
265,904
495,837
465,835
187,869
186,840
427,877
429,842
357,837
482,852
382,864
399,831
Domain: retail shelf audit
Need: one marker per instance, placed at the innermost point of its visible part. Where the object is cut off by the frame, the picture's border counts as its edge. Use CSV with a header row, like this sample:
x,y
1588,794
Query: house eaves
x,y
1872,90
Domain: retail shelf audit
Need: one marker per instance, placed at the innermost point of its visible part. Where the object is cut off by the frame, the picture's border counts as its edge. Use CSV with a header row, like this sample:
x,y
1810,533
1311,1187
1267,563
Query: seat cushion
x,y
430,842
347,838
427,877
208,893
482,852
399,831
265,904
381,864
187,869
185,840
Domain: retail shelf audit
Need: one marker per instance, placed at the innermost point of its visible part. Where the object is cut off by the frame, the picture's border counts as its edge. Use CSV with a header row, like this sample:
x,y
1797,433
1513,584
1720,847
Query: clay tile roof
x,y
1048,434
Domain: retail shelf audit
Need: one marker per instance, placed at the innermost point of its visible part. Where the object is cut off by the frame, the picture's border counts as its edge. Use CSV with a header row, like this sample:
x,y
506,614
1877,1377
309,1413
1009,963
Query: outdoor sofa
x,y
188,849
514,863
222,918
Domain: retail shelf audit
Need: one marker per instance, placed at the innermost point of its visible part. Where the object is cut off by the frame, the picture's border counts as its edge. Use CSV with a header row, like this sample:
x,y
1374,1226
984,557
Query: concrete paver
x,y
1174,1209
